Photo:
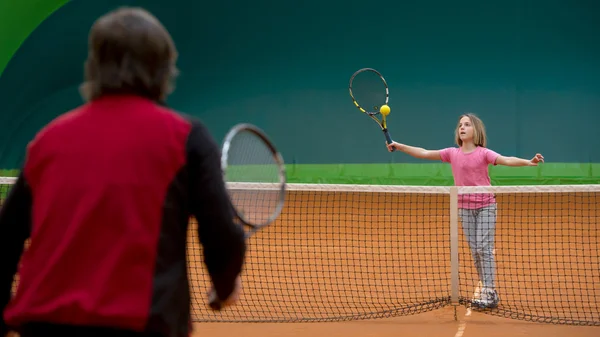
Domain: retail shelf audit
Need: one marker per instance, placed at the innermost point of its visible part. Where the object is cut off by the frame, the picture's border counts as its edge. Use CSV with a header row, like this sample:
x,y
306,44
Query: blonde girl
x,y
469,162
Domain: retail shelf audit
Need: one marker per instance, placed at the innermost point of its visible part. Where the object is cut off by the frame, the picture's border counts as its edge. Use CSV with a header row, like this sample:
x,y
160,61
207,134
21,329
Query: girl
x,y
469,163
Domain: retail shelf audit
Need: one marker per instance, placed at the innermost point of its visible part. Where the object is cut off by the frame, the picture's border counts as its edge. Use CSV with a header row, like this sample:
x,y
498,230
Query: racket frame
x,y
214,302
373,114
247,127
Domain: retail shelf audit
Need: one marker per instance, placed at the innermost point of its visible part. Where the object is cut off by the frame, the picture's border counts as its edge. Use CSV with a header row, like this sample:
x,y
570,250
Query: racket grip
x,y
388,138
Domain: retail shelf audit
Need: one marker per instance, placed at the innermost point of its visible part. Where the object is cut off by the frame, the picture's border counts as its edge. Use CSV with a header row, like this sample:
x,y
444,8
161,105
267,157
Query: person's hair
x,y
129,52
479,135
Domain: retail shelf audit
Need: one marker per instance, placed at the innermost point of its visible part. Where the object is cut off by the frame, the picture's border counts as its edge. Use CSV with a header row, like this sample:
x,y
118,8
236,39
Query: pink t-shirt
x,y
471,169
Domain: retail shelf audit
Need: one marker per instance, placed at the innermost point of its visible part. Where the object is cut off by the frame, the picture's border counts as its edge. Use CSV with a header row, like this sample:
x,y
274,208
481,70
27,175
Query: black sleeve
x,y
15,228
223,240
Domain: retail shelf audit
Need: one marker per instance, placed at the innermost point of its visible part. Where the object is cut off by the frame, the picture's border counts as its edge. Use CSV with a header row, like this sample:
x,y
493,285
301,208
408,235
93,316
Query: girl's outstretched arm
x,y
514,161
416,152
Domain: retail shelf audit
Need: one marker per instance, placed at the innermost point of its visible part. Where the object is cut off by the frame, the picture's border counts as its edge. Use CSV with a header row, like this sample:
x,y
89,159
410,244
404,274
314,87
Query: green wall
x,y
529,68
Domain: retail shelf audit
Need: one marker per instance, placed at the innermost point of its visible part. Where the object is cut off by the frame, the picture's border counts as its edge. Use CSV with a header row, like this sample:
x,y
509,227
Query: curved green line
x,y
18,19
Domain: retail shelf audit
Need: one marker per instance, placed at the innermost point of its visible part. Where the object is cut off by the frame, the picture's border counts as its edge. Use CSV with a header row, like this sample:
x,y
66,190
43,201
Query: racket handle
x,y
388,138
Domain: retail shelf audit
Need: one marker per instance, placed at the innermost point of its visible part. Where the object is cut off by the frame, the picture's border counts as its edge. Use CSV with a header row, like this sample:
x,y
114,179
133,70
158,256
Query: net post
x,y
454,245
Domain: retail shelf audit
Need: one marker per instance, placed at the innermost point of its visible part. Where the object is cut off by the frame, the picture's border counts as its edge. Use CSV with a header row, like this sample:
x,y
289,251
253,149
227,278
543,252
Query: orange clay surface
x,y
336,256
343,254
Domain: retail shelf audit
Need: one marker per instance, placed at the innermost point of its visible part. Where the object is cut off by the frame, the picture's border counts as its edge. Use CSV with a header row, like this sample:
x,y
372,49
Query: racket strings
x,y
253,178
369,91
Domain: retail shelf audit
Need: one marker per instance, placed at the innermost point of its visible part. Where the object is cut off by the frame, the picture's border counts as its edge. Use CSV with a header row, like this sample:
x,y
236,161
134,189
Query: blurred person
x,y
105,195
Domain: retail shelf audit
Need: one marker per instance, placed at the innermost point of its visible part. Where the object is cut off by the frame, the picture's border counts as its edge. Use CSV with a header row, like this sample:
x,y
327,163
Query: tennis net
x,y
346,252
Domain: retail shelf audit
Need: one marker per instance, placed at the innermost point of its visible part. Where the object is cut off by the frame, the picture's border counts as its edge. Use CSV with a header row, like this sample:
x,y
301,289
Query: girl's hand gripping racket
x,y
370,94
254,172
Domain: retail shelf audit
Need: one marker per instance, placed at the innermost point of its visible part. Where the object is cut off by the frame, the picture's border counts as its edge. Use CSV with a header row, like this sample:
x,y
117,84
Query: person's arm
x,y
223,240
416,152
15,228
515,161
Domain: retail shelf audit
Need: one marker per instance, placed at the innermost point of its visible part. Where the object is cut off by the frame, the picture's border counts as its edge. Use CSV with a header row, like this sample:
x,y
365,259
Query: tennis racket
x,y
369,92
255,176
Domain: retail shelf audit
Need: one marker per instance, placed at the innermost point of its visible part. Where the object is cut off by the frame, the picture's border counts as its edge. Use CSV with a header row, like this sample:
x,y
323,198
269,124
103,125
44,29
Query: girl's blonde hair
x,y
479,135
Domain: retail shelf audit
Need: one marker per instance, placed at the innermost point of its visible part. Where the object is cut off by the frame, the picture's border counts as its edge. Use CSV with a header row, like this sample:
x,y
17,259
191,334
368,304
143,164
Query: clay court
x,y
373,263
378,264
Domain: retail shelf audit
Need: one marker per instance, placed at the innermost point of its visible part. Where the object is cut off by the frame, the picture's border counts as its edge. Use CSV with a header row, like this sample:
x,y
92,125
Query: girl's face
x,y
465,129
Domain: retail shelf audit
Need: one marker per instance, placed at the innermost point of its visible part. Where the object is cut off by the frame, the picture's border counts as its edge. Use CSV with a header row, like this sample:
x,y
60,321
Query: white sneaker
x,y
488,300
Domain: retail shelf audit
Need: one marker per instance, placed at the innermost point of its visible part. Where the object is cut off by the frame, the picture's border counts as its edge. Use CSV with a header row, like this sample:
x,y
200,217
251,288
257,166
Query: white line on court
x,y
463,322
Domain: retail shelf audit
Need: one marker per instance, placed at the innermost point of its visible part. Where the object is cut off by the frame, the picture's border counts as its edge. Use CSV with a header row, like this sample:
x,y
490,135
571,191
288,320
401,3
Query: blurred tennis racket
x,y
254,172
370,94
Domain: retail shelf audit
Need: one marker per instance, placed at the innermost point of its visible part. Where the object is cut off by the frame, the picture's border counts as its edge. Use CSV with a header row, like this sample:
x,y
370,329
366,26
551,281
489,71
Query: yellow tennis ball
x,y
385,110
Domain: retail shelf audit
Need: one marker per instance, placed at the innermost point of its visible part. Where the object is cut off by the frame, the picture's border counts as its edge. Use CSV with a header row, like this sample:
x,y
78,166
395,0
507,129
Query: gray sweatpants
x,y
479,226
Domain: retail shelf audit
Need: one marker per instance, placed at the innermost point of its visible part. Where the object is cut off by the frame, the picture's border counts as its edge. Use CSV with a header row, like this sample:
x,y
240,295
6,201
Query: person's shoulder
x,y
197,130
66,117
56,124
451,150
180,116
186,125
484,151
488,156
447,154
170,113
199,133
